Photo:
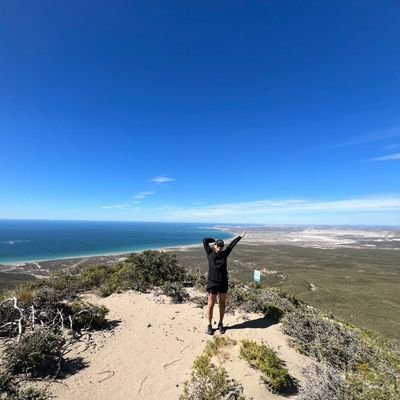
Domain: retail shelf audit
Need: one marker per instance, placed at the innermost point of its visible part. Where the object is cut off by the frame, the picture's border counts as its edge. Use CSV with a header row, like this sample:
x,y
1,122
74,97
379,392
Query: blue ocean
x,y
22,241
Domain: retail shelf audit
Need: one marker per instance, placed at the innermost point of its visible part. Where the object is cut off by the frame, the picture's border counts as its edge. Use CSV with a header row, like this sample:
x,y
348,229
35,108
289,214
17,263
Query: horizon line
x,y
222,224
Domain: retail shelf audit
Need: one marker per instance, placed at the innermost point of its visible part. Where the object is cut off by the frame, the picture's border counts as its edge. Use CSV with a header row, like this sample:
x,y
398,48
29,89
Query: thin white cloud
x,y
115,206
263,209
142,195
373,137
161,179
389,157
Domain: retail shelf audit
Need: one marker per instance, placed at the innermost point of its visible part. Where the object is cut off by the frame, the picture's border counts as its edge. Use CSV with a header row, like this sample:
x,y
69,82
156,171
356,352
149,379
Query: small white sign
x,y
257,276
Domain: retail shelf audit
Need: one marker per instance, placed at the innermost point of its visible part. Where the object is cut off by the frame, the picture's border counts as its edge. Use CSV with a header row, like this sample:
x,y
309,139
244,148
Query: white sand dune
x,y
151,351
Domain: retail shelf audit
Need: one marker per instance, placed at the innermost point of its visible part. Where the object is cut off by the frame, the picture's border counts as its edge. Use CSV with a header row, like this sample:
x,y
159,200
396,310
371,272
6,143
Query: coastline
x,y
315,237
10,266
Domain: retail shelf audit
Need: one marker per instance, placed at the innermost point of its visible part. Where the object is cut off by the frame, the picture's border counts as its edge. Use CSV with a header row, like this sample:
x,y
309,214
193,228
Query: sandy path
x,y
151,351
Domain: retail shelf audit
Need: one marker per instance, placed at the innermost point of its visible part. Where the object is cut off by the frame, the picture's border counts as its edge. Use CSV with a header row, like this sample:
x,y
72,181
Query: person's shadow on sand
x,y
259,323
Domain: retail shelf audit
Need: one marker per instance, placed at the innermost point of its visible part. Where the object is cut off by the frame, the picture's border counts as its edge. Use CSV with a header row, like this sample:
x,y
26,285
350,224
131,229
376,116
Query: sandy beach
x,y
150,352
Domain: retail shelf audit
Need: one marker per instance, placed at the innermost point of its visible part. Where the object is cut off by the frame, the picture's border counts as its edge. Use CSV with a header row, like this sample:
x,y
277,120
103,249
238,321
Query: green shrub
x,y
140,272
176,291
131,276
264,359
86,316
210,383
108,288
155,267
36,353
47,301
197,280
68,285
47,296
96,277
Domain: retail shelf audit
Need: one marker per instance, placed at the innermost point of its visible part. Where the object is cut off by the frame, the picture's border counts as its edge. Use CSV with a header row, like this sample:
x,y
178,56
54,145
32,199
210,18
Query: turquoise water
x,y
22,241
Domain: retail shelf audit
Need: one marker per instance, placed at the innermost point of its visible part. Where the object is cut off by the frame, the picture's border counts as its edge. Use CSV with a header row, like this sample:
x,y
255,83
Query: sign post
x,y
257,277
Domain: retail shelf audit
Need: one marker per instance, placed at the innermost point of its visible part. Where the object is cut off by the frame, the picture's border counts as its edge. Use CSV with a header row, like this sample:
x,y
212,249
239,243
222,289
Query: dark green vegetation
x,y
36,350
261,357
140,272
360,286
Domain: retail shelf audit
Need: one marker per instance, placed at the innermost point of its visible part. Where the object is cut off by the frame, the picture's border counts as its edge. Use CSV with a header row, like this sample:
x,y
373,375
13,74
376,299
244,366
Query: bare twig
x,y
62,318
33,317
19,320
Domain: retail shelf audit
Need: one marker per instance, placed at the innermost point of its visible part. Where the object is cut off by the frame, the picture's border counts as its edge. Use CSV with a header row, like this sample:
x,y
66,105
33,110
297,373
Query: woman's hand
x,y
243,234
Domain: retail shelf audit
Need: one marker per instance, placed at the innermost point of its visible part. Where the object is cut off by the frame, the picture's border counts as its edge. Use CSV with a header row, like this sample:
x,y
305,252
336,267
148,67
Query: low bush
x,y
95,277
47,297
371,364
156,268
67,284
268,302
264,359
210,383
37,353
323,383
176,291
140,271
85,315
326,339
197,280
199,301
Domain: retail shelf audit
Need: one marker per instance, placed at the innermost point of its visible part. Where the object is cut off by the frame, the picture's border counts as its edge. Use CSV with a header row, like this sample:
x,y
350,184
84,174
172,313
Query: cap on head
x,y
219,243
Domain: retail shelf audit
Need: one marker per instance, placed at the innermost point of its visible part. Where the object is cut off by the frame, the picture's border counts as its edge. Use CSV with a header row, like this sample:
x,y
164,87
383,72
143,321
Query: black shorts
x,y
215,289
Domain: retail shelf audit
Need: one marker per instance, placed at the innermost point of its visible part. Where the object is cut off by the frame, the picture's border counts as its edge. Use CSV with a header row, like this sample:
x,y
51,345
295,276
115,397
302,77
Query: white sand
x,y
138,361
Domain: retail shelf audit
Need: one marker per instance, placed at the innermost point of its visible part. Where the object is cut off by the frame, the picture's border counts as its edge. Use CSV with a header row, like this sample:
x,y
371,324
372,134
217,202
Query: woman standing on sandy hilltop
x,y
217,280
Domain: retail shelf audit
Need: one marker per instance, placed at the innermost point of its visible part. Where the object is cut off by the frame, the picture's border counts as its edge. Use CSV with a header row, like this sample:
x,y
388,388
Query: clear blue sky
x,y
236,111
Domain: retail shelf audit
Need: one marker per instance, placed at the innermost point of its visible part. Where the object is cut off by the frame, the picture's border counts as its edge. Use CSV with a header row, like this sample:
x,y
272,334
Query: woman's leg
x,y
212,298
222,305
